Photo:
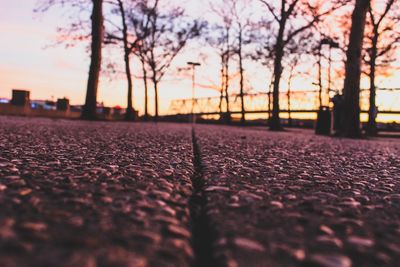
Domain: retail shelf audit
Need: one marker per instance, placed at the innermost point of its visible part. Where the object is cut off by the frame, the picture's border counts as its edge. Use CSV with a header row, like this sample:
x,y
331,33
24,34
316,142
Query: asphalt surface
x,y
94,194
284,199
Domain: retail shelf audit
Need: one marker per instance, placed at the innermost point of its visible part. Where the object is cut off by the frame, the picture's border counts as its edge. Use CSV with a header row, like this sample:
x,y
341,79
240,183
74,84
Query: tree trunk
x,y
221,96
320,75
228,113
271,84
129,115
241,70
146,91
371,127
89,109
275,122
155,83
351,118
289,99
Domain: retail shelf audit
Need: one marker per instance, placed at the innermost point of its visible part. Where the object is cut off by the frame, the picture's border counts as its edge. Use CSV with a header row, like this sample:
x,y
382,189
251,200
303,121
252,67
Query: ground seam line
x,y
202,237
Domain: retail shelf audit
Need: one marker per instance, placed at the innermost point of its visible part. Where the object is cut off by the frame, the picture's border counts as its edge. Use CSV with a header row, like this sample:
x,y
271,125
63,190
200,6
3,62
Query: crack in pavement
x,y
202,234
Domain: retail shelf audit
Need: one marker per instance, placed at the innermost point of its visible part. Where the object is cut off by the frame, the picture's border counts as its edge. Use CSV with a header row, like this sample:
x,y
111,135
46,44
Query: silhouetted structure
x,y
323,124
337,101
63,104
20,98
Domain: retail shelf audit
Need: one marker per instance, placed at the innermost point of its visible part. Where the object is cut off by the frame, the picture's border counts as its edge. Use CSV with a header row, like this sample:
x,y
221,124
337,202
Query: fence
x,y
297,102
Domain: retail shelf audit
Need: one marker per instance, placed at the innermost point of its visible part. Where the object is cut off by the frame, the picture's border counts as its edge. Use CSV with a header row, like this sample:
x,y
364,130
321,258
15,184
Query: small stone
x,y
6,232
217,188
147,237
393,198
34,226
277,204
168,211
326,230
290,197
330,260
76,221
107,200
25,191
179,231
249,244
360,241
168,172
182,245
329,240
249,196
299,254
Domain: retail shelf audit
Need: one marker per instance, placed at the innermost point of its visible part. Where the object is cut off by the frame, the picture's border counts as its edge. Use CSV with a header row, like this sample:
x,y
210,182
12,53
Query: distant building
x,y
20,104
20,97
43,104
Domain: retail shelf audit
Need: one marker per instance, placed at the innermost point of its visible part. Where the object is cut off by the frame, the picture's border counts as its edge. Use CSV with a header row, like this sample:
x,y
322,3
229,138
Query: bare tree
x,y
129,115
220,38
112,37
302,13
293,64
351,118
242,26
97,36
146,87
383,38
140,21
262,42
169,33
223,44
90,107
134,29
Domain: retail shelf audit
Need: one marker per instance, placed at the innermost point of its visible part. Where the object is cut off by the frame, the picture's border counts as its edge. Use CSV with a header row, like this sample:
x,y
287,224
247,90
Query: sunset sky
x,y
28,61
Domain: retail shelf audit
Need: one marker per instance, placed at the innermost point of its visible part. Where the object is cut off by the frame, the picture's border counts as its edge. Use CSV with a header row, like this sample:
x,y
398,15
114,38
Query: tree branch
x,y
271,10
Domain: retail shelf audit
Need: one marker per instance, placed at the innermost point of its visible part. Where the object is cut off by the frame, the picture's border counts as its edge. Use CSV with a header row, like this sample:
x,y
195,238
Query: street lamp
x,y
193,65
323,125
332,44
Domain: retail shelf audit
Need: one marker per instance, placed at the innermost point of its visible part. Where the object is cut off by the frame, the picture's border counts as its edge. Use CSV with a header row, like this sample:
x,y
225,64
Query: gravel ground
x,y
284,199
94,194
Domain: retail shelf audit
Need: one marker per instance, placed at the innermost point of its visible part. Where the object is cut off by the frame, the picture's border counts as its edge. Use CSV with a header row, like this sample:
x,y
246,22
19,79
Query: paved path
x,y
280,199
94,194
114,194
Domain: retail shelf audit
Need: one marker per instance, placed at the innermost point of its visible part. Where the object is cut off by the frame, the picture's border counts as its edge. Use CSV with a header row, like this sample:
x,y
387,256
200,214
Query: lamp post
x,y
323,125
193,65
332,44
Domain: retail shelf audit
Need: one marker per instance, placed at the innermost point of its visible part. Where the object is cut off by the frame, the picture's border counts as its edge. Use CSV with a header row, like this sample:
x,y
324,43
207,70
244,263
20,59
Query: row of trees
x,y
153,31
156,31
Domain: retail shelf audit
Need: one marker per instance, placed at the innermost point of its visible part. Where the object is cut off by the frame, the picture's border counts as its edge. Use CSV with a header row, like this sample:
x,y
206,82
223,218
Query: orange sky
x,y
59,72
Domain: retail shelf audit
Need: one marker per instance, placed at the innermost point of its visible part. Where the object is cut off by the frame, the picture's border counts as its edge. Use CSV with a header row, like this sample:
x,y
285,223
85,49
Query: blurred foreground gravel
x,y
94,194
281,199
97,194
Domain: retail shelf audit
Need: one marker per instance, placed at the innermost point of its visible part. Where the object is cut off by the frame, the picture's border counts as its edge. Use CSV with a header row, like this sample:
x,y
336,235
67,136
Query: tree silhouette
x,y
131,35
220,37
351,118
89,111
241,27
169,32
140,21
302,13
383,37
